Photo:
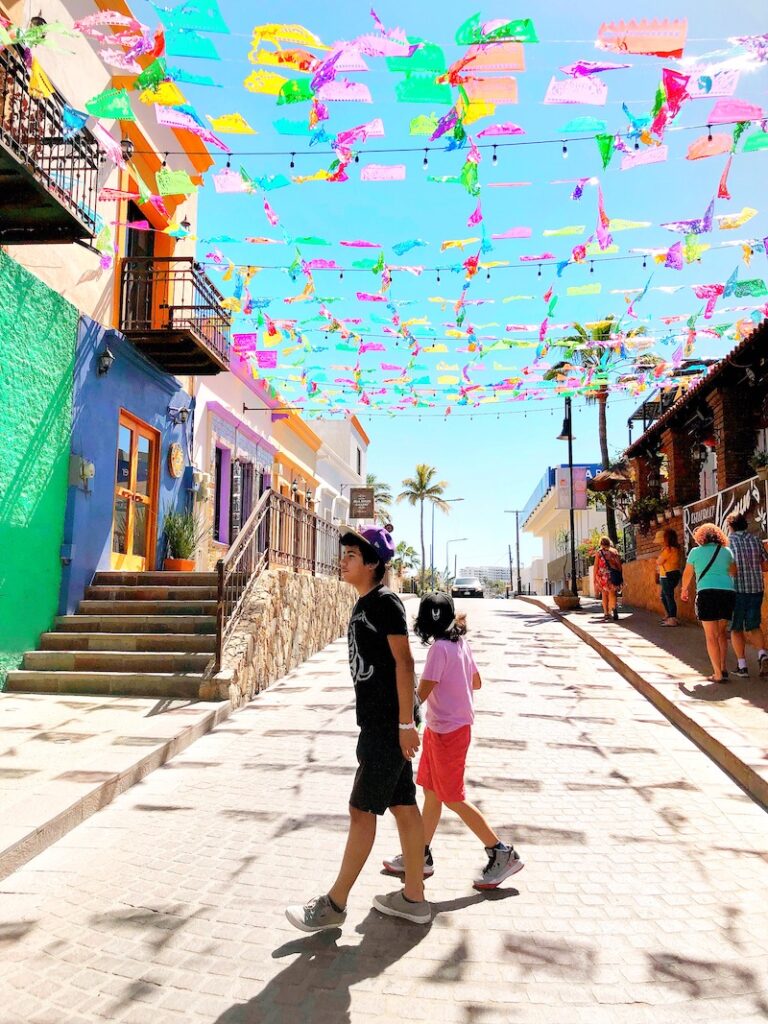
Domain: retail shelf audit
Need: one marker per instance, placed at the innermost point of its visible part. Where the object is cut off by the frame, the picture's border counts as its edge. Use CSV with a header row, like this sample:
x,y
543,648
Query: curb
x,y
747,777
45,835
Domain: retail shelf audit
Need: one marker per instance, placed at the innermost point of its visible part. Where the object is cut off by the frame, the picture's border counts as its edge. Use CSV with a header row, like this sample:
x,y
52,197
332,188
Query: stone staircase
x,y
136,634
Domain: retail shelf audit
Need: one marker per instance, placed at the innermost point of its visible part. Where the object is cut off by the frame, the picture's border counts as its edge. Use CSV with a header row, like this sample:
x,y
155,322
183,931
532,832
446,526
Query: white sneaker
x,y
501,864
396,865
394,904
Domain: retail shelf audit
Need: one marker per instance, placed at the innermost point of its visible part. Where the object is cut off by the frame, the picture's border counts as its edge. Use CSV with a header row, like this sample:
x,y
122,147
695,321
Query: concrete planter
x,y
567,602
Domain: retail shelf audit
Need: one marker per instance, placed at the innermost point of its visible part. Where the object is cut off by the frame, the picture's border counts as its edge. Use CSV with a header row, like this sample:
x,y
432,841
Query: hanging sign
x,y
361,503
563,487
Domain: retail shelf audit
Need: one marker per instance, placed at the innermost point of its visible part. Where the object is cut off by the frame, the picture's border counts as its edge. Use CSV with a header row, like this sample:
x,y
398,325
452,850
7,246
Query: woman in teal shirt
x,y
713,565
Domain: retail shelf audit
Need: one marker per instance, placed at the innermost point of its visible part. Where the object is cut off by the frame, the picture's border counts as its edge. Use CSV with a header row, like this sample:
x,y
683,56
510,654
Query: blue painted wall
x,y
139,387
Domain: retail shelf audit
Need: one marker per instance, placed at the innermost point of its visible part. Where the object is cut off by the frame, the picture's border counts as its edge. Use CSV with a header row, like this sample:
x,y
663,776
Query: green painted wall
x,y
38,334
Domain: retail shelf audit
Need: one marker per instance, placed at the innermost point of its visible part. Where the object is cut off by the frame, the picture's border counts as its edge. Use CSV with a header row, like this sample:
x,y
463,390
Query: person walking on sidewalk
x,y
448,682
714,567
668,568
608,577
746,626
383,674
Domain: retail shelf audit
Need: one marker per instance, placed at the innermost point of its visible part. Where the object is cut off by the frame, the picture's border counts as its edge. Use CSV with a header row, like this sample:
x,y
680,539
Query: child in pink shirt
x,y
450,676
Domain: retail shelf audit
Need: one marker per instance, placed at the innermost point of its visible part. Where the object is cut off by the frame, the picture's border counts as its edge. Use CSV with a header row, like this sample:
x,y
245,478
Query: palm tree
x,y
382,498
406,558
420,488
597,351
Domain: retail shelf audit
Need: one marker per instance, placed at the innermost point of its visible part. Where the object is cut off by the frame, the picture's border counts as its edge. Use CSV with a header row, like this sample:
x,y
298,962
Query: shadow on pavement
x,y
316,986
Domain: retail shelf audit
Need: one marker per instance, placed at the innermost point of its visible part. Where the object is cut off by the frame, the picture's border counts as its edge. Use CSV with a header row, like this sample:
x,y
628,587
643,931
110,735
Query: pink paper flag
x,y
319,264
372,346
476,217
674,258
513,233
108,144
641,157
245,342
497,91
383,172
361,244
229,181
582,68
731,111
266,359
345,91
722,190
577,90
537,257
505,128
350,60
367,297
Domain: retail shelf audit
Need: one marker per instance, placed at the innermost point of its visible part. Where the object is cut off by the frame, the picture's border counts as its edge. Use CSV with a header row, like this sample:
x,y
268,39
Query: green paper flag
x,y
424,124
756,142
429,57
422,89
605,145
174,183
295,91
520,31
310,240
112,103
152,75
754,288
468,178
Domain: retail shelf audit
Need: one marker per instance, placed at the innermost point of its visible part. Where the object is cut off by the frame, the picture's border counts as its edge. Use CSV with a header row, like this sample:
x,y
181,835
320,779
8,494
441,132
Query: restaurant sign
x,y
748,497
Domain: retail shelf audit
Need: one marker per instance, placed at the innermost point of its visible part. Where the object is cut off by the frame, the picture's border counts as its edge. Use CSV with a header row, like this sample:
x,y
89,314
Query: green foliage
x,y
759,459
643,510
183,532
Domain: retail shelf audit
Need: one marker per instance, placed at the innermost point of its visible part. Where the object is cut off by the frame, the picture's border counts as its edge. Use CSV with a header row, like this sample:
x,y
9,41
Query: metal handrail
x,y
279,532
33,130
167,293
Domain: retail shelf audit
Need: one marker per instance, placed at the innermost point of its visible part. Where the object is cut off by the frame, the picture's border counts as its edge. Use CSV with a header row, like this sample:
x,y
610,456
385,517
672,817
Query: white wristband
x,y
410,725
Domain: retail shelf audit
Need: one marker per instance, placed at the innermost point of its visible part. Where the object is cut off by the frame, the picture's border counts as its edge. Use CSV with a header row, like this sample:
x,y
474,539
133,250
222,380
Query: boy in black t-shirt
x,y
382,669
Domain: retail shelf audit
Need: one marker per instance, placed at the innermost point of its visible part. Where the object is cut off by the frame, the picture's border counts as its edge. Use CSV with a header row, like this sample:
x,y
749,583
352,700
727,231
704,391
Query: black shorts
x,y
384,777
715,605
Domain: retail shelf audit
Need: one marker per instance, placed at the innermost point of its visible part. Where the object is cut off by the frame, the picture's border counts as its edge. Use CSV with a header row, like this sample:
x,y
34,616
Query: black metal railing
x,y
279,532
173,294
33,129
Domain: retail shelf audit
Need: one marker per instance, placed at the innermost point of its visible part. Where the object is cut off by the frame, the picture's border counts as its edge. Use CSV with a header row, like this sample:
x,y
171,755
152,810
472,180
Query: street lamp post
x,y
432,545
516,512
566,434
453,540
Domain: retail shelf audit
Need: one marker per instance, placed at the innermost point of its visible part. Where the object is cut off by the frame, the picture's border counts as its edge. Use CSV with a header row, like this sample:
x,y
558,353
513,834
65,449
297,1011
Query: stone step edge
x,y
46,834
742,773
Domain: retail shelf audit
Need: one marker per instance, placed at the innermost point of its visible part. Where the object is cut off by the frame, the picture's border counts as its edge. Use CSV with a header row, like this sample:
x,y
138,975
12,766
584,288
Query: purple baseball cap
x,y
375,537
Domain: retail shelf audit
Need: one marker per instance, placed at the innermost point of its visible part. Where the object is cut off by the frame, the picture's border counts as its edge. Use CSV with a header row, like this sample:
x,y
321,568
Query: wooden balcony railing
x,y
48,176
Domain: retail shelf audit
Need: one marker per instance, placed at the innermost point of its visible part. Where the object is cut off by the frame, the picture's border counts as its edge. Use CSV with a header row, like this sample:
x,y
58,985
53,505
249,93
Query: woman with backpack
x,y
608,577
713,565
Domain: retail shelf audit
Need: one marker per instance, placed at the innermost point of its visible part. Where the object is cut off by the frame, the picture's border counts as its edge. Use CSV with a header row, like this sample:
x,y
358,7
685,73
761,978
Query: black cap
x,y
436,614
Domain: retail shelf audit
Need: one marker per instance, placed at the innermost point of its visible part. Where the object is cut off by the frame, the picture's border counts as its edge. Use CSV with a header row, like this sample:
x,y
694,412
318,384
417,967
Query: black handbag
x,y
616,576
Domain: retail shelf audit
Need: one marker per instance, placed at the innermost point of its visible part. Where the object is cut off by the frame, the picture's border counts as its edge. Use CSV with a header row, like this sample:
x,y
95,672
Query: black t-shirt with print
x,y
376,616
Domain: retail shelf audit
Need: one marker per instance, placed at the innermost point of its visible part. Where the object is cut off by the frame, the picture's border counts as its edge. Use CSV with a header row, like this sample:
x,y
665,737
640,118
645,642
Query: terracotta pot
x,y
668,514
567,602
762,472
179,565
678,510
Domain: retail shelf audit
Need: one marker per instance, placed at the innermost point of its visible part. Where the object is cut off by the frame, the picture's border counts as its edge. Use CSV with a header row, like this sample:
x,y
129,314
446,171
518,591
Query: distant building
x,y
487,572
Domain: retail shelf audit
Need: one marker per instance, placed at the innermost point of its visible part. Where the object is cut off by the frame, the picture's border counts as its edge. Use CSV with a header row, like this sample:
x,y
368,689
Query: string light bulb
x,y
488,276
645,262
565,151
709,133
293,160
495,158
425,162
592,266
539,270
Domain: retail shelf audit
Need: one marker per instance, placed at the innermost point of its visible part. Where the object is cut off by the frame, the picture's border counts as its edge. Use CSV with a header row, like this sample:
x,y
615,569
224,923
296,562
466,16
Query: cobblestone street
x,y
643,897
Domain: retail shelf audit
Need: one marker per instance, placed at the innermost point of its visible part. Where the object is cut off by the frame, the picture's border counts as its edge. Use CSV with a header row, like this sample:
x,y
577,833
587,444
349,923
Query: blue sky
x,y
495,458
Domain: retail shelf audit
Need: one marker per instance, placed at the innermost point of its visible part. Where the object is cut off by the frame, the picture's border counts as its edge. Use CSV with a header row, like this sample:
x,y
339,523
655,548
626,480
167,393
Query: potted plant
x,y
644,511
568,599
678,510
759,462
183,532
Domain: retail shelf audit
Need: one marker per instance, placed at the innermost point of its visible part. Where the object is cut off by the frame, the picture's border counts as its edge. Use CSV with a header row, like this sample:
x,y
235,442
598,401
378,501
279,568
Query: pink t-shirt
x,y
452,667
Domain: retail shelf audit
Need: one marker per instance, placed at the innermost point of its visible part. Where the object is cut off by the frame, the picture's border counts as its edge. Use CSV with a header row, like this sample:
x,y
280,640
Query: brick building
x,y
694,461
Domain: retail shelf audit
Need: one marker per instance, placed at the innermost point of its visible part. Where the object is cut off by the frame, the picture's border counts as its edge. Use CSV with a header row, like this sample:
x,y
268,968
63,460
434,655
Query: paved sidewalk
x,y
669,666
642,900
64,757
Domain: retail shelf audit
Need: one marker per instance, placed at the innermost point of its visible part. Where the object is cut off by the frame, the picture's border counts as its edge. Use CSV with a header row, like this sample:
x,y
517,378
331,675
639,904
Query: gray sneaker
x,y
501,864
316,916
396,865
394,904
763,662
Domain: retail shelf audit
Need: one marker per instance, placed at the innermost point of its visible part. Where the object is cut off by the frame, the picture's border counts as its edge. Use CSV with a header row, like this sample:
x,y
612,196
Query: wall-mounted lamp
x,y
308,495
294,489
180,415
185,225
104,362
127,148
38,21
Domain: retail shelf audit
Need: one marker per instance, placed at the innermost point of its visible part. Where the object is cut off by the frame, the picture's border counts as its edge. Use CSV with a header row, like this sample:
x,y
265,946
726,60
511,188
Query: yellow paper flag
x,y
166,93
267,82
39,84
232,124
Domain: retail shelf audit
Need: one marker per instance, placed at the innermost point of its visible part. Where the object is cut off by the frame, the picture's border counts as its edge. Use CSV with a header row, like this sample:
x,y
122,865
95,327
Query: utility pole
x,y
511,580
516,512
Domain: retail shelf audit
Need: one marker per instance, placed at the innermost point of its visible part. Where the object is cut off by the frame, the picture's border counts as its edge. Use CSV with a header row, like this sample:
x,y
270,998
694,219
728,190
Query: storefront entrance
x,y
134,519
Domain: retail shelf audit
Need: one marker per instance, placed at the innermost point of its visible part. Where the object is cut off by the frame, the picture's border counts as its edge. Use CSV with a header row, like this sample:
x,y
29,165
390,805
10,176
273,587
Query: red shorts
x,y
442,763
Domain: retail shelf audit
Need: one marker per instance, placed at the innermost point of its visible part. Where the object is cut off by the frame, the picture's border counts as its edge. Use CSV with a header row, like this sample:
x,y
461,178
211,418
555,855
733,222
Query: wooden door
x,y
134,518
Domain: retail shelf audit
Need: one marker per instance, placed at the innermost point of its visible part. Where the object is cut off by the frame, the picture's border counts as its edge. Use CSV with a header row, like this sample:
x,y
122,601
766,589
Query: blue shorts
x,y
747,612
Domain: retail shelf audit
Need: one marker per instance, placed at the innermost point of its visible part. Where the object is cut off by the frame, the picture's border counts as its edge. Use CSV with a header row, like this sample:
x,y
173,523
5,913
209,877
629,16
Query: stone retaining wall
x,y
288,617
